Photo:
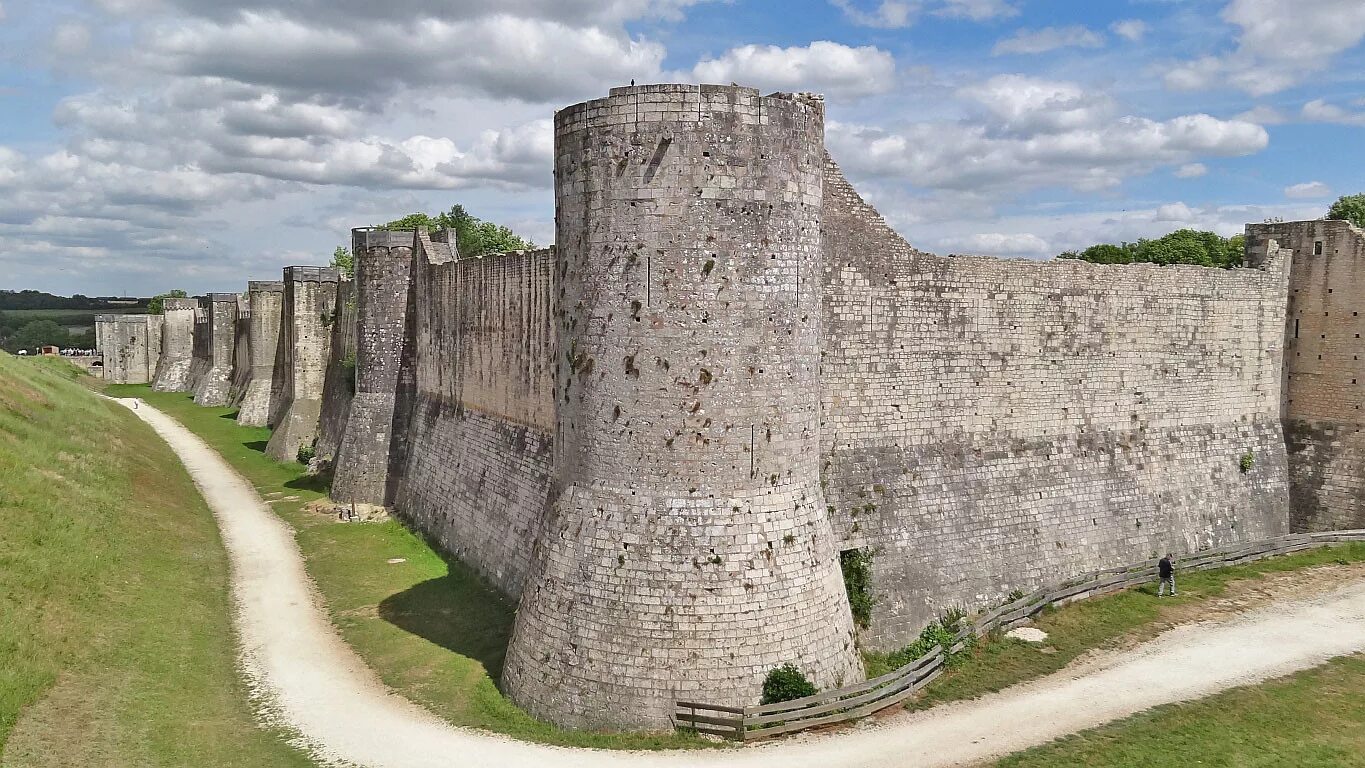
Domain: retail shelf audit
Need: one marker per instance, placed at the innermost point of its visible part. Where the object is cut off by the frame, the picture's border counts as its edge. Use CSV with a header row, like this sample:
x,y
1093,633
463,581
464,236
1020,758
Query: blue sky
x,y
156,144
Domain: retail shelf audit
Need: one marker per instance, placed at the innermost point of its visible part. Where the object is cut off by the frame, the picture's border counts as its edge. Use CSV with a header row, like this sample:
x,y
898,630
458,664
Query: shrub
x,y
785,684
1247,462
857,567
941,633
307,453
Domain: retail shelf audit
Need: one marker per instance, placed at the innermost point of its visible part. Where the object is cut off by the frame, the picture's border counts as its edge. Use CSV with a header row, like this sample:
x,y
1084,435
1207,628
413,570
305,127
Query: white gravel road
x,y
315,685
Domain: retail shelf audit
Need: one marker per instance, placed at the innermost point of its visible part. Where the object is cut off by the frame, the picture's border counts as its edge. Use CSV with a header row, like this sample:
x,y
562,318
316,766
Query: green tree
x,y
1184,246
37,333
475,236
157,306
343,261
1349,208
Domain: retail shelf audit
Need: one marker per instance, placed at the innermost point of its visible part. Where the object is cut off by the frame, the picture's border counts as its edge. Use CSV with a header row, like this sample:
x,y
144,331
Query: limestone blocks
x,y
177,345
215,385
261,397
305,321
687,550
130,345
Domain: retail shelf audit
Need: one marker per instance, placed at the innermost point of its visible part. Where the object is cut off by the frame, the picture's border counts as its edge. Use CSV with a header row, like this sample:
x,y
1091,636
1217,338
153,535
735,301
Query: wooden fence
x,y
855,701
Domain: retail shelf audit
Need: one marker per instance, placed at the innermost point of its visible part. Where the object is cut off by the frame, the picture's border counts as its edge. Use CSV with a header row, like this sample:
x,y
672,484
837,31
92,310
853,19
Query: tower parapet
x,y
687,547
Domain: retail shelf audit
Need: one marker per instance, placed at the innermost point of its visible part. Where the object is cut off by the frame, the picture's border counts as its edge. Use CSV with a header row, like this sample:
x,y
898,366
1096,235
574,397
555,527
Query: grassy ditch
x,y
997,662
431,628
1312,719
115,642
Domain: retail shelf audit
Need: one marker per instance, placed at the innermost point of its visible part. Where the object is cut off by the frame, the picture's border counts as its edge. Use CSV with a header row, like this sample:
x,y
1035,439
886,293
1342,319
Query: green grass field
x,y
115,642
1314,719
431,629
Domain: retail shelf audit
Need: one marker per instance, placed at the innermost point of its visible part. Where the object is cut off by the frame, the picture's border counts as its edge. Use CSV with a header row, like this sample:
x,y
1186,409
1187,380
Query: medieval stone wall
x,y
130,345
1324,376
201,347
991,425
214,387
241,352
266,299
177,345
306,318
338,386
365,461
686,551
477,459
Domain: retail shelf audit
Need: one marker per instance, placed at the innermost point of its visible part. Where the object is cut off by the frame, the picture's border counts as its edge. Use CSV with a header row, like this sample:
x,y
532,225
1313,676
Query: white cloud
x,y
1176,213
1031,41
838,70
1262,114
1024,103
1307,190
1279,44
1319,111
70,39
998,244
1191,171
976,10
889,14
1132,30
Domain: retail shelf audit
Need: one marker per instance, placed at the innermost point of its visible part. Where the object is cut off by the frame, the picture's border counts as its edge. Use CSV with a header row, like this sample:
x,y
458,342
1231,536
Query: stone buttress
x,y
686,551
215,386
266,298
177,345
306,319
383,262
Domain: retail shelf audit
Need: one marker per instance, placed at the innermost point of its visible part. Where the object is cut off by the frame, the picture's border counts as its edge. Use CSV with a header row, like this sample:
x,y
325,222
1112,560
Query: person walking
x,y
1166,570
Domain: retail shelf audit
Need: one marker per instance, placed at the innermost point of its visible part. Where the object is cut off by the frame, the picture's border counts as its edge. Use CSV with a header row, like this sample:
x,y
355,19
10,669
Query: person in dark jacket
x,y
1166,569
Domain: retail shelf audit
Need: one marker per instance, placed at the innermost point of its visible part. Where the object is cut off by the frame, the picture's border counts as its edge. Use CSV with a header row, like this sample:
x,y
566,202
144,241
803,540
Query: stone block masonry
x,y
177,345
475,471
686,550
130,345
993,425
338,385
202,356
305,320
241,349
364,463
266,298
214,388
1324,389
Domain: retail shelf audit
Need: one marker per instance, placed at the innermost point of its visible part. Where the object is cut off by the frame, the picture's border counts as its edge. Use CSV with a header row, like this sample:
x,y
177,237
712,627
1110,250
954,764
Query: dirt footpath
x,y
309,681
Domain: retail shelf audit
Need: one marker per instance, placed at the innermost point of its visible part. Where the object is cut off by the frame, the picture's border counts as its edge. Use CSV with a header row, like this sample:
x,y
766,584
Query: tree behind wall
x,y
1349,208
476,237
1185,246
157,306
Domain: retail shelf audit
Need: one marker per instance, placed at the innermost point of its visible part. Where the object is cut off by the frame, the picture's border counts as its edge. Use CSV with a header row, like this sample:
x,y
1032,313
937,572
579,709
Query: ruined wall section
x,y
266,300
214,387
687,551
992,425
365,463
338,386
177,345
477,461
305,319
1324,374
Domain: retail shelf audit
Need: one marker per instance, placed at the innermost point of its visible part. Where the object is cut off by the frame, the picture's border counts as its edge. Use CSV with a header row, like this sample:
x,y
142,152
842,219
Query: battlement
x,y
179,305
363,238
265,286
311,275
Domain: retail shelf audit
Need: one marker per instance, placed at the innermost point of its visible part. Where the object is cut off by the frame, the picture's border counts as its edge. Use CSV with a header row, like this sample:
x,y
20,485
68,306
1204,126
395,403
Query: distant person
x,y
1166,569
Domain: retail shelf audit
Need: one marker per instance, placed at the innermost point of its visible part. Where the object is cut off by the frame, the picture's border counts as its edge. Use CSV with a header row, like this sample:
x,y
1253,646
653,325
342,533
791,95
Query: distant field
x,y
77,321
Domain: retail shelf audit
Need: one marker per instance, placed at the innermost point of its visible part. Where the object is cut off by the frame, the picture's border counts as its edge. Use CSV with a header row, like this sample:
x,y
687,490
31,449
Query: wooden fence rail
x,y
855,701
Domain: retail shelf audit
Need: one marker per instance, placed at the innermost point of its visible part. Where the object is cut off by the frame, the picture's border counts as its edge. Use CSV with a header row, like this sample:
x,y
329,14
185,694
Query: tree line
x,y
474,236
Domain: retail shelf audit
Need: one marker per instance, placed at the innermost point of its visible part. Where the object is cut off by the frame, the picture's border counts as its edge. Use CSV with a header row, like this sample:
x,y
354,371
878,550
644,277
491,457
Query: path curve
x,y
315,685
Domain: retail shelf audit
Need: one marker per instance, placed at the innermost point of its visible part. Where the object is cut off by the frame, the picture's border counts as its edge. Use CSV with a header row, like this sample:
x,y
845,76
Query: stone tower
x,y
383,261
305,319
266,298
215,386
177,345
686,551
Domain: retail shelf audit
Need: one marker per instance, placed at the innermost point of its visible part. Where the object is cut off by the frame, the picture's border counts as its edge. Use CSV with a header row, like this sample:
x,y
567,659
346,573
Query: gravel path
x,y
316,686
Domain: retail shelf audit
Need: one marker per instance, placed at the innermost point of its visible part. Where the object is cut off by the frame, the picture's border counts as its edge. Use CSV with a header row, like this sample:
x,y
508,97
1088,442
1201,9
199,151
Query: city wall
x,y
241,352
993,425
259,397
478,457
130,345
214,386
1324,386
338,386
306,319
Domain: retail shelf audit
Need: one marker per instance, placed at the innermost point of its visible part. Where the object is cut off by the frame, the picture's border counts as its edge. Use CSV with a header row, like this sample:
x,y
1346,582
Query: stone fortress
x,y
659,436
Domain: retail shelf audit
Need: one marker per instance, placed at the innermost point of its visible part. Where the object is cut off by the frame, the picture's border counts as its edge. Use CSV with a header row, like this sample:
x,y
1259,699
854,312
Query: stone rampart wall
x,y
993,425
177,345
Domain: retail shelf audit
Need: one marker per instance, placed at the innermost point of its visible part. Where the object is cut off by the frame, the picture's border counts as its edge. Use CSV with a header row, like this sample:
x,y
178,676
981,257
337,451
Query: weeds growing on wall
x,y
857,567
1247,462
939,634
785,684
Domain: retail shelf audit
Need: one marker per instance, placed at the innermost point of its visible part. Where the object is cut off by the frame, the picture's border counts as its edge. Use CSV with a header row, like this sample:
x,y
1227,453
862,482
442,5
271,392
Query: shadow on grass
x,y
257,445
230,415
319,483
457,612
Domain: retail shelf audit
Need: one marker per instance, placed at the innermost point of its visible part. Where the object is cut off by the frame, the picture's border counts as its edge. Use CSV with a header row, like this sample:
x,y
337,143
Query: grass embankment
x,y
431,629
1313,719
115,642
998,662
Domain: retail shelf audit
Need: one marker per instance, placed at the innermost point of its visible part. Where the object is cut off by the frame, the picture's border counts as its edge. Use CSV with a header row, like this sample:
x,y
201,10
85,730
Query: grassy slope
x,y
115,644
432,630
999,662
1314,719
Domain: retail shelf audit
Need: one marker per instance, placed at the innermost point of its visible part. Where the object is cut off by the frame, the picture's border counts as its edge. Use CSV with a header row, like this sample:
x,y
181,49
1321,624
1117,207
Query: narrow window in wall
x,y
1317,248
1296,327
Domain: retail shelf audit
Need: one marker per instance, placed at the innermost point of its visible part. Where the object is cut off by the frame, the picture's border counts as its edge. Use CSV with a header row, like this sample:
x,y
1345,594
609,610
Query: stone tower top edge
x,y
217,297
377,237
265,286
653,99
299,274
176,304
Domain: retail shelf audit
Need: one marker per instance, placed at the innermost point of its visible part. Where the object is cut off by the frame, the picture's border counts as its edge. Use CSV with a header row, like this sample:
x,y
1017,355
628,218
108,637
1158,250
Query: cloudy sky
x,y
155,144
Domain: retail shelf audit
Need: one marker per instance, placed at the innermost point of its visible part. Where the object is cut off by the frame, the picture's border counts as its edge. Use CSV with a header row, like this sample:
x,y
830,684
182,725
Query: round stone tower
x,y
686,551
